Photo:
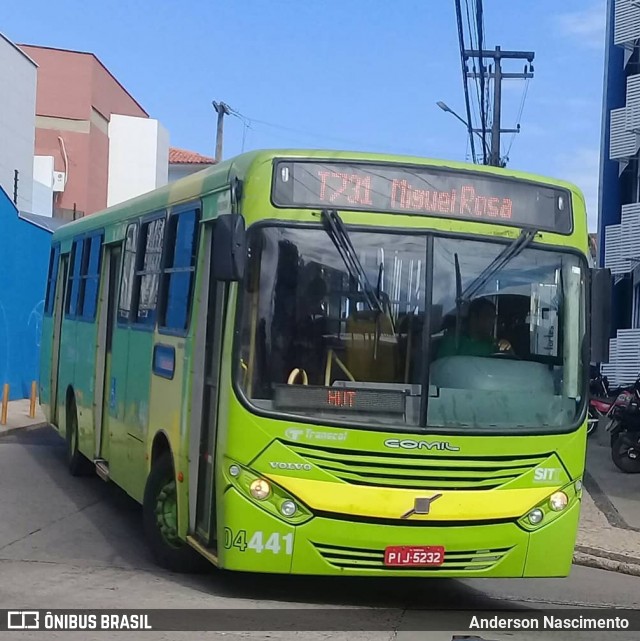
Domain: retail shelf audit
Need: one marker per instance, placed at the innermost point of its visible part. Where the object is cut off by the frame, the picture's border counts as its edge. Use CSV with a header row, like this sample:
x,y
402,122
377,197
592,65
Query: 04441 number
x,y
275,543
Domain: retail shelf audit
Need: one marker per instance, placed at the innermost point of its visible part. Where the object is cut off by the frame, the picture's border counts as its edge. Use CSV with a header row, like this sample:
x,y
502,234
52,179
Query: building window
x,y
149,270
128,274
52,279
179,271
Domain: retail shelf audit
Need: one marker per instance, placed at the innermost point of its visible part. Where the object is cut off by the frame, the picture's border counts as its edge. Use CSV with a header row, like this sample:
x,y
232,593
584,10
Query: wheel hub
x,y
167,513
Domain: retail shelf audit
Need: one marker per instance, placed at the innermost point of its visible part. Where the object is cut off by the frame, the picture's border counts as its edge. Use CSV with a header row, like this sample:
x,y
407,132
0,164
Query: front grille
x,y
367,558
423,472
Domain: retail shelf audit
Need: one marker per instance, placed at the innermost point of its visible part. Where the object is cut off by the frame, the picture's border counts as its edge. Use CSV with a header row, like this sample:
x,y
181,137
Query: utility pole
x,y
498,76
222,110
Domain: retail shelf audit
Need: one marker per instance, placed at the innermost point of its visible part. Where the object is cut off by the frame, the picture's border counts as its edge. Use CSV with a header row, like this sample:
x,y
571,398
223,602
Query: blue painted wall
x,y
24,262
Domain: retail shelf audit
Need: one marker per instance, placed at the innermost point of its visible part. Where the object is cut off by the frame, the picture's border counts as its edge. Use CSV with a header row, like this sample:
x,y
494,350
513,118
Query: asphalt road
x,y
78,543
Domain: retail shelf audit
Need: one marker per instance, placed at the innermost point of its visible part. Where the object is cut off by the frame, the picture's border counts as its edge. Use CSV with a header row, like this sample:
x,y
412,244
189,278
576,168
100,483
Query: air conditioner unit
x,y
59,178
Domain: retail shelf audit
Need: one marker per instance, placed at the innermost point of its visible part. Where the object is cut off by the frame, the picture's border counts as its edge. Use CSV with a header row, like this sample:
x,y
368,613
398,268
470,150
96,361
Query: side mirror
x,y
601,291
229,248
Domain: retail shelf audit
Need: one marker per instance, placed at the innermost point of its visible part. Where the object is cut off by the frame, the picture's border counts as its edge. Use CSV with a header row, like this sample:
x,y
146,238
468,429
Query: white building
x,y
138,157
18,78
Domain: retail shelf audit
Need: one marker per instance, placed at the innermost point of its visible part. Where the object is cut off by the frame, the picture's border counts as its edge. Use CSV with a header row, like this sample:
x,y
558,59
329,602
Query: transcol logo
x,y
409,444
294,434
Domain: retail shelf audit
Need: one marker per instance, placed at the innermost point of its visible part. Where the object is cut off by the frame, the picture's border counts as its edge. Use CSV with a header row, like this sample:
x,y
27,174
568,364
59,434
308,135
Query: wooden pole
x,y
5,404
32,404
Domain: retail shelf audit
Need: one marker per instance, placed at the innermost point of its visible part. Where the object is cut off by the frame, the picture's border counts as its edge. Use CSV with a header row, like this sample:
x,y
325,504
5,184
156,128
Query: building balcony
x,y
622,242
624,142
624,358
626,25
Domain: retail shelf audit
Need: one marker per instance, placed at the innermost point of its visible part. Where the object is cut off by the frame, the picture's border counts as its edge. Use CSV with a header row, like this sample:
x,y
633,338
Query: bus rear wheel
x,y
160,516
77,462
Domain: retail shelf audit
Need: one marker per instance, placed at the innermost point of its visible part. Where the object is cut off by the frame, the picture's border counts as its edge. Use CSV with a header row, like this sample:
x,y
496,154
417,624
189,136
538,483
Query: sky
x,y
343,74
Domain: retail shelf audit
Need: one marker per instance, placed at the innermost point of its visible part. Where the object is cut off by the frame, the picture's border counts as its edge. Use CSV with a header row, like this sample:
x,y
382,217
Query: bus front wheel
x,y
160,515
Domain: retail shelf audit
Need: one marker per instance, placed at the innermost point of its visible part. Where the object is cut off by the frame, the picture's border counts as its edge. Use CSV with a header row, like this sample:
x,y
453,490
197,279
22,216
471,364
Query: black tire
x,y
620,456
592,422
77,462
170,553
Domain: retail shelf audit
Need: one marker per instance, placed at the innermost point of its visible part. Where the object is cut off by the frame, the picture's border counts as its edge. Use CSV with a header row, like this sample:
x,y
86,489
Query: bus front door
x,y
204,427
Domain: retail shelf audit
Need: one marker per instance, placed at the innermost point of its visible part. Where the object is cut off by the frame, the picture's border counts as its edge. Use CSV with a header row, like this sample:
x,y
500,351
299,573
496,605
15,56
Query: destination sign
x,y
343,400
422,191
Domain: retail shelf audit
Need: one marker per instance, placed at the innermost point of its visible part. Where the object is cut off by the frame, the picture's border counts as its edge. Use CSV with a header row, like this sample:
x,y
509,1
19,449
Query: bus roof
x,y
213,178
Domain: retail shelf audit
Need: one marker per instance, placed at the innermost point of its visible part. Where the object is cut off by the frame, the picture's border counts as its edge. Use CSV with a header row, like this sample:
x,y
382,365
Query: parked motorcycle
x,y
603,401
624,428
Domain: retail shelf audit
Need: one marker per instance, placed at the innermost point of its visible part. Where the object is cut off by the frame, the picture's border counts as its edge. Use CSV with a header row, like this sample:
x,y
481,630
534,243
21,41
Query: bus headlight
x,y
260,489
288,508
535,516
558,501
265,493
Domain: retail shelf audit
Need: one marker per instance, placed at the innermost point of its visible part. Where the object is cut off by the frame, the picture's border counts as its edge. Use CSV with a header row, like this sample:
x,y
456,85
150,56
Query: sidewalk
x,y
18,416
609,534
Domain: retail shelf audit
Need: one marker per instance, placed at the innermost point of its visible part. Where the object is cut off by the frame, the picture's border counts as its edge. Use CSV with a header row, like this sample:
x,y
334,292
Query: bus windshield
x,y
312,344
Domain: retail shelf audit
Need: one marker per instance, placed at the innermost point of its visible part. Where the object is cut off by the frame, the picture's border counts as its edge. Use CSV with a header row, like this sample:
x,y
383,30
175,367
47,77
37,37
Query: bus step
x,y
102,469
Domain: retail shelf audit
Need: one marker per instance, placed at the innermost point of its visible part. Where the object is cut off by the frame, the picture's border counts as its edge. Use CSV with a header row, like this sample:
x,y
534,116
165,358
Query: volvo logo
x,y
409,444
422,505
276,465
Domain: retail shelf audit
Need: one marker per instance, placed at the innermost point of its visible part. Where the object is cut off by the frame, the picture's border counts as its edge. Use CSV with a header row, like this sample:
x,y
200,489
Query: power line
x,y
251,122
483,114
473,30
464,78
518,118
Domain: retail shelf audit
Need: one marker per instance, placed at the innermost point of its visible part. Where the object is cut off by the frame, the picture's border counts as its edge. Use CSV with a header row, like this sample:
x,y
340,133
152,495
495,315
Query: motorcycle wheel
x,y
592,422
625,458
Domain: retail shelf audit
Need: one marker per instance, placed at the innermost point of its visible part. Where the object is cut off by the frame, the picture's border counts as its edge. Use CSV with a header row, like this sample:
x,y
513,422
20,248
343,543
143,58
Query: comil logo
x,y
409,444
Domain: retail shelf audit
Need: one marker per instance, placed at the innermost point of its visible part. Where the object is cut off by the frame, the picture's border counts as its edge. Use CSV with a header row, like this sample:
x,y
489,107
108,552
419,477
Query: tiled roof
x,y
184,157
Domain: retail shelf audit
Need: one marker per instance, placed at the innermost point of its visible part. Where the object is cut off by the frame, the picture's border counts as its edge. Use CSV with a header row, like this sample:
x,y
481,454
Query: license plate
x,y
417,555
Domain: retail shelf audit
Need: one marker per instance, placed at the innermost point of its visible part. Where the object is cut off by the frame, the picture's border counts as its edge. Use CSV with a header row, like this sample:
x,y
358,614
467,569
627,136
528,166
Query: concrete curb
x,y
602,560
5,431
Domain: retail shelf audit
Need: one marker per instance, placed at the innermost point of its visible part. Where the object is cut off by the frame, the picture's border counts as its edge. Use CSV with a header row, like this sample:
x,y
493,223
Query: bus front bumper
x,y
257,541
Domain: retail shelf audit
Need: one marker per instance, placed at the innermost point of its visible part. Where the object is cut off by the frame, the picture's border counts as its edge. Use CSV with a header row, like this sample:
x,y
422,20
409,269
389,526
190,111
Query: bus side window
x,y
178,271
128,274
74,277
52,279
90,277
149,270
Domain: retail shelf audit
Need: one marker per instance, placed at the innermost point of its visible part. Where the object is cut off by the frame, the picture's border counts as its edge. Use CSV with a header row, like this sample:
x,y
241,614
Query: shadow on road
x,y
110,534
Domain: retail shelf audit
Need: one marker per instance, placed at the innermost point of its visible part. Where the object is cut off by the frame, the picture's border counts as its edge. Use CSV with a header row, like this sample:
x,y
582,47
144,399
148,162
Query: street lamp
x,y
445,107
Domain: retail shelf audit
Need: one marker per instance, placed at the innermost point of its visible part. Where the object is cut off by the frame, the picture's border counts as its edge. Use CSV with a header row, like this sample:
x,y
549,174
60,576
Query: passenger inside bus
x,y
312,326
476,335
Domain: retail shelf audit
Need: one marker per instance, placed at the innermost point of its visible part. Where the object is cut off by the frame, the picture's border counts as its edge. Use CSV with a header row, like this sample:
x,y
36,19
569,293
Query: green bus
x,y
332,363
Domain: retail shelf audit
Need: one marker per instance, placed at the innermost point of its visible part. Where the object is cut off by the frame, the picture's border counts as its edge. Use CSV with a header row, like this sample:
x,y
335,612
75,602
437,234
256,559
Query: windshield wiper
x,y
512,250
337,231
